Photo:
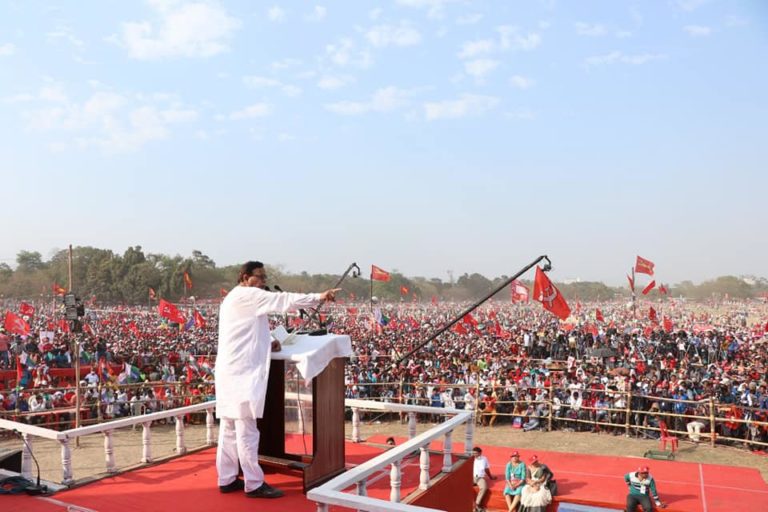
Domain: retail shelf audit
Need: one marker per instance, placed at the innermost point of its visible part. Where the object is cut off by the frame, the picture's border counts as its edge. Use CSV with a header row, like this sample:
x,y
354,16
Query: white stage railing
x,y
331,493
29,432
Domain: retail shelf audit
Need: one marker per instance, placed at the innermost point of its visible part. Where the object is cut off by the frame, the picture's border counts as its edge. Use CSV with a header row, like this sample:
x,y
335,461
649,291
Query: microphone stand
x,y
547,267
315,312
32,490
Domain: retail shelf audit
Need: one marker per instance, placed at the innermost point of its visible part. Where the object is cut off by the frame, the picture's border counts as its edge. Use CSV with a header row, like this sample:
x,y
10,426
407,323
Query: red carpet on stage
x,y
188,484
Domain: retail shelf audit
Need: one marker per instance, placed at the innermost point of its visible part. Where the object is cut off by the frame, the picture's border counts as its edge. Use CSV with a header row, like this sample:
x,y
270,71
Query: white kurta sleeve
x,y
281,302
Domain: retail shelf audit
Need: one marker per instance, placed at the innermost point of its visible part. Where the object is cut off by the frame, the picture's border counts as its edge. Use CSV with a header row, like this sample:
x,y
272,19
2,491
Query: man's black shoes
x,y
265,491
236,485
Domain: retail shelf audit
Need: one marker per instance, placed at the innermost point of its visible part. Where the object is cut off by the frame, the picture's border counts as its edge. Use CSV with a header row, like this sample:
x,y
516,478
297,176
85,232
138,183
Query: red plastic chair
x,y
666,437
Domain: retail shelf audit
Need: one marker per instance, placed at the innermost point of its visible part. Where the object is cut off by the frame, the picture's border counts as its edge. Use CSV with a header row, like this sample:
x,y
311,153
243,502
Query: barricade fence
x,y
591,409
550,408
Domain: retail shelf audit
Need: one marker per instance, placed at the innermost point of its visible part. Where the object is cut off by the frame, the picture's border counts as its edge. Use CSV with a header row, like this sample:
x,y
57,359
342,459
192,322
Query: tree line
x,y
113,278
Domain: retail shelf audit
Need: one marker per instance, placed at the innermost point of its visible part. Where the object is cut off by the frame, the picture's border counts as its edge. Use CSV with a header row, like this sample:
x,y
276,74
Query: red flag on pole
x,y
26,309
223,292
378,274
519,292
199,320
58,290
631,283
152,294
652,314
460,329
599,316
187,281
63,325
549,296
169,311
403,290
434,300
663,289
650,287
667,324
644,266
15,324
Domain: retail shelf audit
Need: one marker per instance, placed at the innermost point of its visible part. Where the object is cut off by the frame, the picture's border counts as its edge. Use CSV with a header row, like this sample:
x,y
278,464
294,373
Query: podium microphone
x,y
32,490
277,288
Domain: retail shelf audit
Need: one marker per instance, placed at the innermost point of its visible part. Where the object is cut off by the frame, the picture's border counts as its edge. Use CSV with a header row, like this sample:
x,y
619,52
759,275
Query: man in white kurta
x,y
242,370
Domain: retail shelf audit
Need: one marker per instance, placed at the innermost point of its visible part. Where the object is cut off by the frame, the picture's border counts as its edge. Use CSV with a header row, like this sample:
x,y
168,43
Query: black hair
x,y
247,269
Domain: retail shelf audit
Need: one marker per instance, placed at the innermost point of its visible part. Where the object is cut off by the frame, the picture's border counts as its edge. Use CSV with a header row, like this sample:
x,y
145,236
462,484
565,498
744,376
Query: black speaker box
x,y
10,460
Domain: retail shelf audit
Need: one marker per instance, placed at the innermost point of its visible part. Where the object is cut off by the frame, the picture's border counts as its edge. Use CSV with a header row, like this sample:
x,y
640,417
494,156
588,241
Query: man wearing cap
x,y
641,488
481,470
541,475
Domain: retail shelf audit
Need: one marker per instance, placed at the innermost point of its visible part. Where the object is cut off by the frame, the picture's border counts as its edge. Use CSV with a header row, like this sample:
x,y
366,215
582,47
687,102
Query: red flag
x,y
631,283
133,328
663,289
378,274
26,309
652,314
190,375
434,300
644,266
460,329
169,311
88,329
199,320
352,311
63,325
58,290
152,294
403,290
519,292
667,324
549,296
469,319
15,324
650,287
223,292
187,281
599,316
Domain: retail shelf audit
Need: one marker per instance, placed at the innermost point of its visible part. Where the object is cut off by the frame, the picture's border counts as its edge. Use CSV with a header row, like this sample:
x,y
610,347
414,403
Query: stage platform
x,y
188,484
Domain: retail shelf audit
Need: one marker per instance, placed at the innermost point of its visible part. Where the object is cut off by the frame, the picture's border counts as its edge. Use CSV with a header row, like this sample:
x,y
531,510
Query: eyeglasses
x,y
260,276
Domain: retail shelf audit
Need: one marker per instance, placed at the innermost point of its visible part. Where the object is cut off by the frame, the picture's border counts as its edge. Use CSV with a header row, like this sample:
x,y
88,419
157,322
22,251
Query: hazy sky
x,y
417,135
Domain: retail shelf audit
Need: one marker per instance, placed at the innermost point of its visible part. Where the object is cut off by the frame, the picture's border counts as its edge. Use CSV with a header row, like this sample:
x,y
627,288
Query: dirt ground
x,y
585,442
88,459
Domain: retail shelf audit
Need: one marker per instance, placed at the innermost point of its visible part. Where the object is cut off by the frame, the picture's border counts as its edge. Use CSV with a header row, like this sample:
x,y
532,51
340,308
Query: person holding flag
x,y
241,372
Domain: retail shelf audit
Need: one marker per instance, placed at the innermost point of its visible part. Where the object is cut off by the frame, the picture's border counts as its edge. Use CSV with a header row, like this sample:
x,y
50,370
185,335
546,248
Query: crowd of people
x,y
514,363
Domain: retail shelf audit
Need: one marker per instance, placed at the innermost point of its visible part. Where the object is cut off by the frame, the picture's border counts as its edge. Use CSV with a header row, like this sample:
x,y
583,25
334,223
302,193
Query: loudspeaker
x,y
10,460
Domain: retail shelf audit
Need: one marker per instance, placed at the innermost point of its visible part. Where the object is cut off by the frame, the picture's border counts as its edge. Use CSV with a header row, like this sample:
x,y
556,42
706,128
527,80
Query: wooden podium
x,y
327,458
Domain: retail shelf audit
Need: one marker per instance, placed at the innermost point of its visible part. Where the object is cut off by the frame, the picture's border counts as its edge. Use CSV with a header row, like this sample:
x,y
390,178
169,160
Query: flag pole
x,y
547,267
370,297
634,305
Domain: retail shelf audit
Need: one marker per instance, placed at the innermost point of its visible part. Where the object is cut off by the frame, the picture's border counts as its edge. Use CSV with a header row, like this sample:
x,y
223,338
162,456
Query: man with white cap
x,y
642,487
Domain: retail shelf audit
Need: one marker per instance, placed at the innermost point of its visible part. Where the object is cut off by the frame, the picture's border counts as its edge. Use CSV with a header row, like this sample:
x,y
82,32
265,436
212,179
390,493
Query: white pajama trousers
x,y
239,442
